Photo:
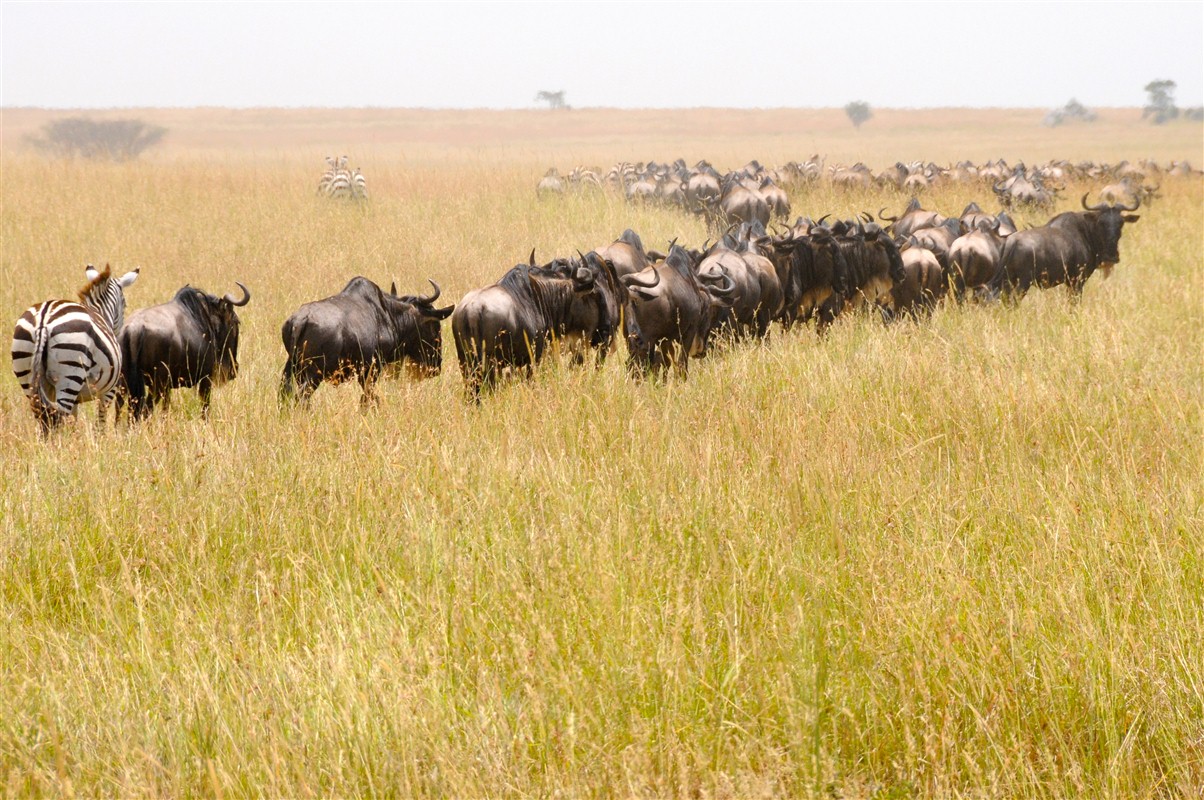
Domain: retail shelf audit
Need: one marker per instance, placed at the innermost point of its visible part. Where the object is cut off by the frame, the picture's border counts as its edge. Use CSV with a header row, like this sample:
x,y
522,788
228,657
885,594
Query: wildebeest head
x,y
419,332
220,322
1107,222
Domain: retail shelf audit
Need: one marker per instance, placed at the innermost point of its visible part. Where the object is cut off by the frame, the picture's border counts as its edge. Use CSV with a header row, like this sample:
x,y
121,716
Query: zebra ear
x,y
91,272
129,278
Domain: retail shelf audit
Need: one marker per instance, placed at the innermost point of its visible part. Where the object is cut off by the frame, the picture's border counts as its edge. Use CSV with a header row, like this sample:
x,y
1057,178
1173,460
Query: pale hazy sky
x,y
630,55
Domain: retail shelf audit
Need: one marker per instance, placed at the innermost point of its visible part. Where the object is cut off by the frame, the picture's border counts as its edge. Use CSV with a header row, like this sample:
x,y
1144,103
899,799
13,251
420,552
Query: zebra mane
x,y
105,296
99,282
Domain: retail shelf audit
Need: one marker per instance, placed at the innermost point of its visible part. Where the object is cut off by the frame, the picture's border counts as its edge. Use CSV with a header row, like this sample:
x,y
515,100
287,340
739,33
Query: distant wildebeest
x,y
1066,250
357,333
191,340
509,325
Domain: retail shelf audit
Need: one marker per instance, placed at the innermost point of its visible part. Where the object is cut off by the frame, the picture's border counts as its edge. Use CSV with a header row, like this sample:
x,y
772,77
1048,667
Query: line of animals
x,y
757,193
666,306
342,183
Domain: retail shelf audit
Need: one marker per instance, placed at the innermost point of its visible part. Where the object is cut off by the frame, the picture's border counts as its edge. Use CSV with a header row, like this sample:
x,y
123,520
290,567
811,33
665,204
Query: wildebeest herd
x,y
667,307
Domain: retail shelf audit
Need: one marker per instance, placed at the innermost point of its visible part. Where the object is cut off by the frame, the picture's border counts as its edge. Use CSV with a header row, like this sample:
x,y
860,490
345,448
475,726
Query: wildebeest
x,y
913,218
807,258
1066,250
873,265
673,311
922,286
626,253
191,340
974,257
357,333
510,324
757,299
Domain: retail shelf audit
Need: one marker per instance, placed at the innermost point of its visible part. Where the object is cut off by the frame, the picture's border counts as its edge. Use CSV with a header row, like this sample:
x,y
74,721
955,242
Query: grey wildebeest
x,y
673,311
191,340
358,333
1067,249
510,324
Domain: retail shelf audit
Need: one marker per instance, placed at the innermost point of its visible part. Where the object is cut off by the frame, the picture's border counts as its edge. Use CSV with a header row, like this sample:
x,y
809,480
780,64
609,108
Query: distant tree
x,y
1161,105
554,100
108,140
859,112
1072,110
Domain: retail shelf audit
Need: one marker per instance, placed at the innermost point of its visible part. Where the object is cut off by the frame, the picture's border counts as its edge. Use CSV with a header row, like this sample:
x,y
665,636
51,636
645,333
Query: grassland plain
x,y
960,558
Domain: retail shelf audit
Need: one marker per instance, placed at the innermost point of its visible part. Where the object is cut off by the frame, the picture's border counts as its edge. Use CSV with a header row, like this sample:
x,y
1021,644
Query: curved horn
x,y
868,216
727,289
819,223
633,278
531,262
246,296
1097,207
432,298
1136,203
885,218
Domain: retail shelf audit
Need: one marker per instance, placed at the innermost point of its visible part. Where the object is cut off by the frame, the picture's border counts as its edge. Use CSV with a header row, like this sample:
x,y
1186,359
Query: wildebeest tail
x,y
135,386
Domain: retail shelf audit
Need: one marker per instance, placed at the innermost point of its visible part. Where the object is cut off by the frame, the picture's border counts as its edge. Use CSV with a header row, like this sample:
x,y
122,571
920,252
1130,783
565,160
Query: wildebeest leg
x,y
828,311
205,389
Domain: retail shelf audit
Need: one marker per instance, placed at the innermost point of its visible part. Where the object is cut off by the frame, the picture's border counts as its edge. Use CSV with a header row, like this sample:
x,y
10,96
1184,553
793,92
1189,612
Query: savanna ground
x,y
962,557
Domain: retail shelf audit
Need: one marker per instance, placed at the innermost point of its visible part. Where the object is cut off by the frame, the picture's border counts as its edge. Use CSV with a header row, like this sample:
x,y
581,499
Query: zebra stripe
x,y
65,353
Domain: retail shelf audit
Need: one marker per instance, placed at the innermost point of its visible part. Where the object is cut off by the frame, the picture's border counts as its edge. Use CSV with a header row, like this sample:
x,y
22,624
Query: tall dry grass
x,y
960,557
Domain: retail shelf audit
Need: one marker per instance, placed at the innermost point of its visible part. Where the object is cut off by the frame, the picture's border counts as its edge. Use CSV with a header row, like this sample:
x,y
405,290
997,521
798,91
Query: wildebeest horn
x,y
1136,203
432,298
728,287
885,218
820,222
633,278
868,216
393,288
531,262
1097,207
246,296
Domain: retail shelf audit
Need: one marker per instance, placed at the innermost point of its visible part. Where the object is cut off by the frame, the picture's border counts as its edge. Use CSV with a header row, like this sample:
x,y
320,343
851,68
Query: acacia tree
x,y
859,112
1161,105
554,100
109,140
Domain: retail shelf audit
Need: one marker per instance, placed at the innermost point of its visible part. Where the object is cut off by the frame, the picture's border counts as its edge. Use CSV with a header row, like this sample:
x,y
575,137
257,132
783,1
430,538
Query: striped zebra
x,y
341,182
327,177
359,185
65,353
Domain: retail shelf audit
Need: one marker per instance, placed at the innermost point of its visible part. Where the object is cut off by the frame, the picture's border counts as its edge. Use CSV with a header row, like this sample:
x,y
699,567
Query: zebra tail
x,y
37,366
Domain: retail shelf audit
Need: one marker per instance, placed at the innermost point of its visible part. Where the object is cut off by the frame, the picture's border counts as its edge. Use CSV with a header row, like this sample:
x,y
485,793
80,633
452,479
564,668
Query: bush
x,y
111,140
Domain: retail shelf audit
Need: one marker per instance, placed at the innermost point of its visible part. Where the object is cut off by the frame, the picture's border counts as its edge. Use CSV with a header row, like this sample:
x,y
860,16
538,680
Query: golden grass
x,y
947,559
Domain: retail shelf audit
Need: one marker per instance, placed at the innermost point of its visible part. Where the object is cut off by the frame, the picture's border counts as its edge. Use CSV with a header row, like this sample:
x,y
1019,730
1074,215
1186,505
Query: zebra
x,y
359,185
327,177
65,353
341,182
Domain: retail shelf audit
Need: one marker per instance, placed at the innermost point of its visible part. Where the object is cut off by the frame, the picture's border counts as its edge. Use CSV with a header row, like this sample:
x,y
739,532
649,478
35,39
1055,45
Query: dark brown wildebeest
x,y
357,333
192,340
1067,249
673,310
808,258
510,324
